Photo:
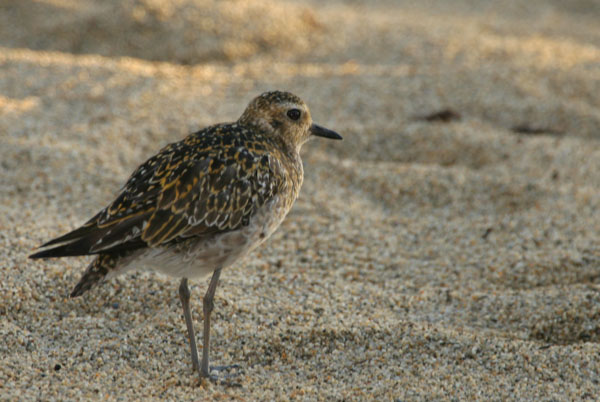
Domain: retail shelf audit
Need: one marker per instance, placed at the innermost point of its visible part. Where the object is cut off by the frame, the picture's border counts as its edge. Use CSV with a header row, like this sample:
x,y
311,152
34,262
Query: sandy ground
x,y
448,248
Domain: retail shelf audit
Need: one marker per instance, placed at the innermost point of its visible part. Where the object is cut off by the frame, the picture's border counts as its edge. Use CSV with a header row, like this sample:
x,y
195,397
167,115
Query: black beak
x,y
319,131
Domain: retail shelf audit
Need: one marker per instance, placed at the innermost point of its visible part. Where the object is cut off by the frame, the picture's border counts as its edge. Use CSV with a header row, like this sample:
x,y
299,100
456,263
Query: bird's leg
x,y
184,295
208,306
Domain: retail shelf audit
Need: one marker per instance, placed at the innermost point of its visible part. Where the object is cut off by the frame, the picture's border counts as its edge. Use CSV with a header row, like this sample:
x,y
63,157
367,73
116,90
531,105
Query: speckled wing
x,y
215,194
195,187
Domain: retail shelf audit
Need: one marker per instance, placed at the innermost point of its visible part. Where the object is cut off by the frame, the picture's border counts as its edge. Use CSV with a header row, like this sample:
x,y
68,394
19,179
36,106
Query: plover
x,y
200,204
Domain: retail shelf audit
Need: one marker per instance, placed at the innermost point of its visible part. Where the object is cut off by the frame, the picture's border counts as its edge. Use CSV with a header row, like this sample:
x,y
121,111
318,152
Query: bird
x,y
200,204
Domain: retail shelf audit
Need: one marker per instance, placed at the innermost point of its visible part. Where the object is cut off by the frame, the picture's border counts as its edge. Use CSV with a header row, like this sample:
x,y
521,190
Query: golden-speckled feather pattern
x,y
212,181
207,199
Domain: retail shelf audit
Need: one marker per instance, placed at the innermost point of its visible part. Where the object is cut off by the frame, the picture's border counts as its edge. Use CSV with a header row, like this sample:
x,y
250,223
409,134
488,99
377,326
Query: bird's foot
x,y
232,367
223,375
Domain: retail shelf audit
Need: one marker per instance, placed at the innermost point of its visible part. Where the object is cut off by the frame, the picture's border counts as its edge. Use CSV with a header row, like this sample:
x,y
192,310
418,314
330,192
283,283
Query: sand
x,y
447,249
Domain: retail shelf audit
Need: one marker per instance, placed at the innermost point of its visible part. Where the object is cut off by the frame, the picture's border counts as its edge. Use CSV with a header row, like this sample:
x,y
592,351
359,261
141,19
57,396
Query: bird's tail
x,y
95,273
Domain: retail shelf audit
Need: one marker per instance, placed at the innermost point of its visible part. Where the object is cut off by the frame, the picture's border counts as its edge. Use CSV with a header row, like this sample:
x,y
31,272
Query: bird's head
x,y
285,115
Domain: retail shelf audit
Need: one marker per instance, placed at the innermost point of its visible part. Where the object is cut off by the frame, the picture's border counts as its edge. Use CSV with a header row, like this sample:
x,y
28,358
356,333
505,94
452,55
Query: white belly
x,y
200,257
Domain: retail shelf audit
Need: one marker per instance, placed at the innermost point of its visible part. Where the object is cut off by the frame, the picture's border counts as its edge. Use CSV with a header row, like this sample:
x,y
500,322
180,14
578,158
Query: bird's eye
x,y
293,114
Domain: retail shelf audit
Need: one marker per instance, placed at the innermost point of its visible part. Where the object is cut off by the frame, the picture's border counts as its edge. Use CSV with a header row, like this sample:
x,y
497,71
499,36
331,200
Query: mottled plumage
x,y
200,203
